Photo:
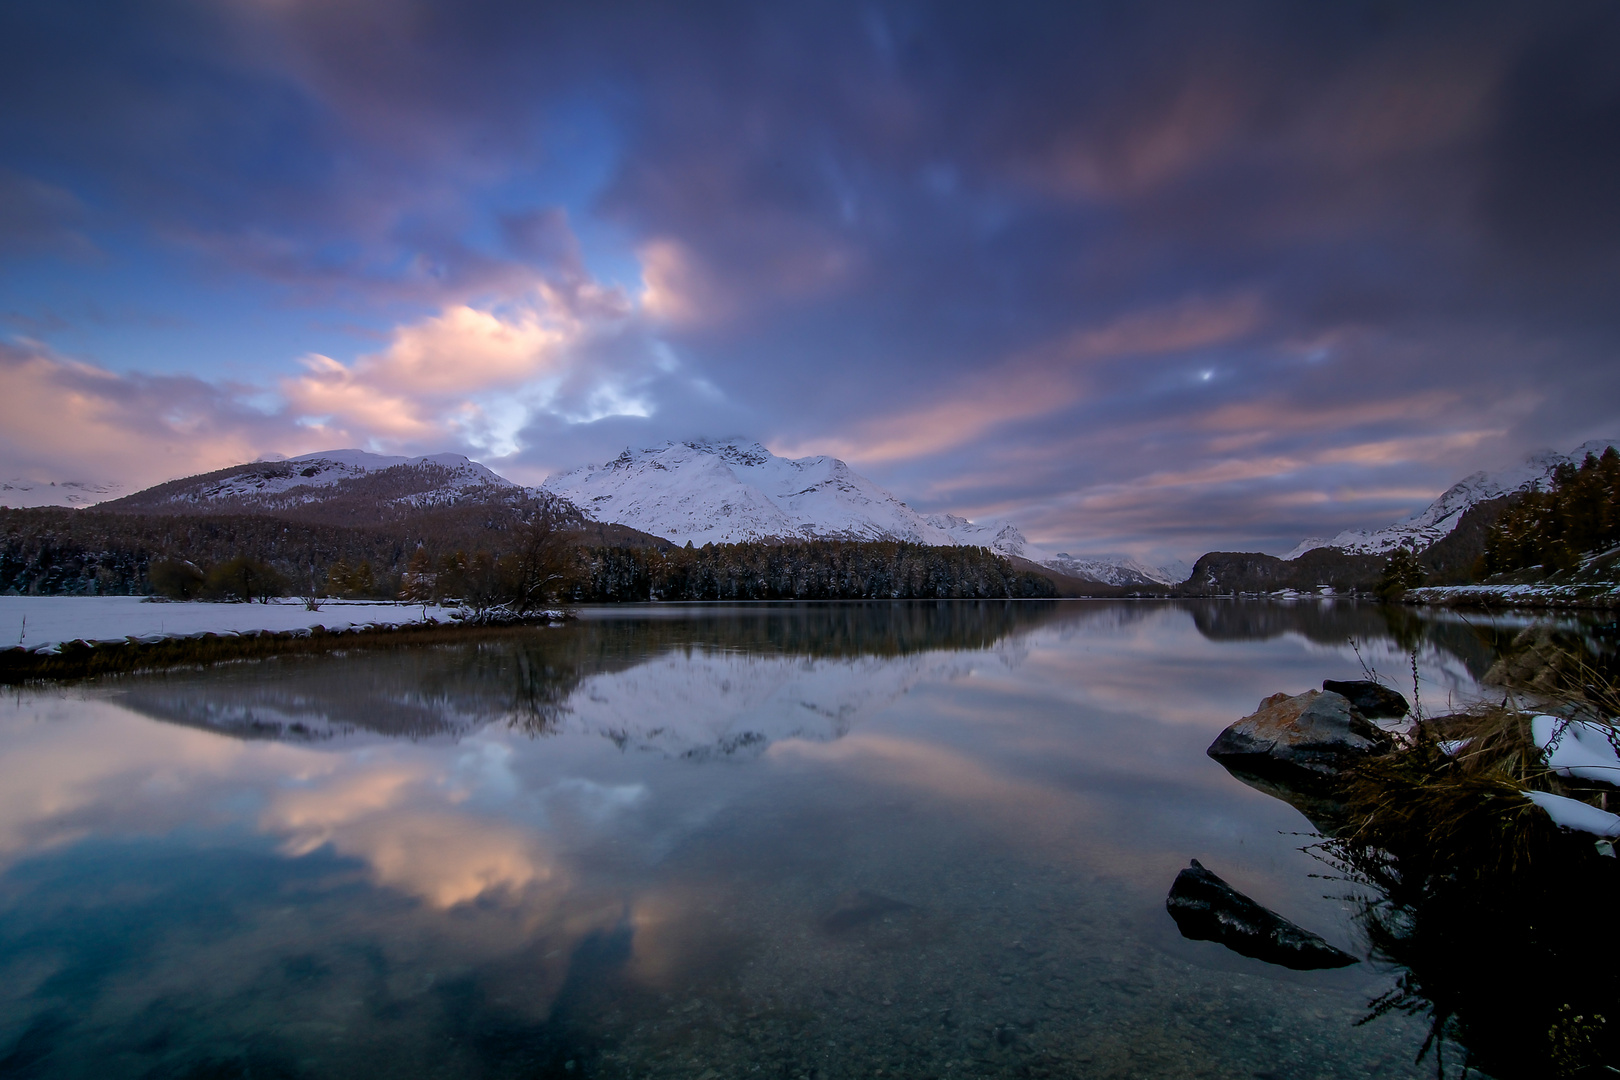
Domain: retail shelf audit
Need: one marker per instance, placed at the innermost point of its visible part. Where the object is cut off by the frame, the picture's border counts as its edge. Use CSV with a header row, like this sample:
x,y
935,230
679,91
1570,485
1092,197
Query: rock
x,y
1309,737
1208,909
1370,699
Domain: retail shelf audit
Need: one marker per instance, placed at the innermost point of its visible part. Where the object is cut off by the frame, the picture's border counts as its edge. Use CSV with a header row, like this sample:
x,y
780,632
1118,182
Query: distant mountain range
x,y
727,492
736,491
686,492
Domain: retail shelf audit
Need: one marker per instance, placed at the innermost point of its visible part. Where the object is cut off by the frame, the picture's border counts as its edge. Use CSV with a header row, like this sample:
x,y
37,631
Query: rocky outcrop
x,y
1206,908
1372,700
1308,737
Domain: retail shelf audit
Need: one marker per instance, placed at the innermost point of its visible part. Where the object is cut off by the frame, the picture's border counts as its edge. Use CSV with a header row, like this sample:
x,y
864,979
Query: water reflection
x,y
930,839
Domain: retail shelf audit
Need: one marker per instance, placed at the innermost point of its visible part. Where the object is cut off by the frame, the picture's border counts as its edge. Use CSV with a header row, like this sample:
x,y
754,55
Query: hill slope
x,y
1441,517
336,486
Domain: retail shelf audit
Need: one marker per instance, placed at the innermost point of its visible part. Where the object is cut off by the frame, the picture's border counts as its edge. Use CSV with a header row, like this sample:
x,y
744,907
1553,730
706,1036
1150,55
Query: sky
x,y
1155,278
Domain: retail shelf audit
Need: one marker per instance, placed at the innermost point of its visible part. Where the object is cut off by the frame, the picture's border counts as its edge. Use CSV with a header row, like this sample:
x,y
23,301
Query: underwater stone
x,y
1206,908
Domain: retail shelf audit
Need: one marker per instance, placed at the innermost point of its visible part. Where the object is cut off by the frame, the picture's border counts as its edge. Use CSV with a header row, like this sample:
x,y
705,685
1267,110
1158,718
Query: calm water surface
x,y
910,840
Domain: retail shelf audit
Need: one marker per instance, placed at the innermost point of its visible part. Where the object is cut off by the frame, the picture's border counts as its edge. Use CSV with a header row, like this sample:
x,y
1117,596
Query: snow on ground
x,y
32,621
1511,594
1577,748
1574,814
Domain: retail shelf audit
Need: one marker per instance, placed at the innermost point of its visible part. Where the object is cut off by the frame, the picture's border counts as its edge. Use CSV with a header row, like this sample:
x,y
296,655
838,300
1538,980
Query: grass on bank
x,y
1498,921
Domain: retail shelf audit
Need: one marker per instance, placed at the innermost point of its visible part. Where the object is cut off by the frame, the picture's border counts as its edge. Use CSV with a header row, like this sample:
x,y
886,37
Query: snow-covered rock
x,y
1440,517
20,494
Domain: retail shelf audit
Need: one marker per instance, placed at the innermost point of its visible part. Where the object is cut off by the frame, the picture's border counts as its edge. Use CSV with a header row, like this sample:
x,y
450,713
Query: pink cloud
x,y
1048,378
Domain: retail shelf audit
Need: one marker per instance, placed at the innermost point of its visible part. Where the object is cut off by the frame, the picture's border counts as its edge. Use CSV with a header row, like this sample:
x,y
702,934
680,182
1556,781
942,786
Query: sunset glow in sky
x,y
1158,278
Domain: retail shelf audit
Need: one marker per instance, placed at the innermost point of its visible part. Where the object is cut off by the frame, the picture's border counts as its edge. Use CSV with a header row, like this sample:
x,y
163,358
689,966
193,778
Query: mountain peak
x,y
328,478
734,490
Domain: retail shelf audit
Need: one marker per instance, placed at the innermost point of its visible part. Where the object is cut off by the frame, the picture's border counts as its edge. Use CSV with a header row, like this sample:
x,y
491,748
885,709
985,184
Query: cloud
x,y
36,217
398,821
65,419
1047,379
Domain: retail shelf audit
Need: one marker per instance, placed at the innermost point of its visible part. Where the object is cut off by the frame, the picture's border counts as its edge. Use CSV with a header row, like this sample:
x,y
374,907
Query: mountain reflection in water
x,y
816,839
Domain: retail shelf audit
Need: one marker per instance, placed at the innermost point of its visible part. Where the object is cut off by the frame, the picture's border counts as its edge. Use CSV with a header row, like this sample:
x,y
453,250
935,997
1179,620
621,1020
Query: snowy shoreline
x,y
35,622
1528,596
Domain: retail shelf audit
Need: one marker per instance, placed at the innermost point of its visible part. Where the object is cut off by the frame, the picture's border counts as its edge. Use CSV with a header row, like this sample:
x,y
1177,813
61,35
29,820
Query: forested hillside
x,y
1578,514
811,570
56,551
482,554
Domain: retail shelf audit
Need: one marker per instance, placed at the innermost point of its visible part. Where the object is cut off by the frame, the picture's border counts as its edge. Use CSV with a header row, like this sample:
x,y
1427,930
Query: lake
x,y
838,840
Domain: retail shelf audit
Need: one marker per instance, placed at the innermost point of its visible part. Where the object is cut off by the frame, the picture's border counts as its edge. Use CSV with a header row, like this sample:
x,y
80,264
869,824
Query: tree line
x,y
803,570
519,557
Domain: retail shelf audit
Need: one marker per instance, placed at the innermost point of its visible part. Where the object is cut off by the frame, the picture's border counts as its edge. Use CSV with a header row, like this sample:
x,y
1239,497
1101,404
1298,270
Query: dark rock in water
x,y
1208,909
1370,699
1309,737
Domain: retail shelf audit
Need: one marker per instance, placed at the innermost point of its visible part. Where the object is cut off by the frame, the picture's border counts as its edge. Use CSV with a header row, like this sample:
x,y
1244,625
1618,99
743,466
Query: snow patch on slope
x,y
328,467
323,477
1440,517
20,494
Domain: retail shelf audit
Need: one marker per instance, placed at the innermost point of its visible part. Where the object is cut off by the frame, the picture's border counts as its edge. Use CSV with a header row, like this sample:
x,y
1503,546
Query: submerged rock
x,y
861,907
1370,699
1309,736
1206,908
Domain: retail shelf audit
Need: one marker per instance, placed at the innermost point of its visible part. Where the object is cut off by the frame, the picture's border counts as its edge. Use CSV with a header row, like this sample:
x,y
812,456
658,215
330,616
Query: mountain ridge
x,y
732,491
1440,518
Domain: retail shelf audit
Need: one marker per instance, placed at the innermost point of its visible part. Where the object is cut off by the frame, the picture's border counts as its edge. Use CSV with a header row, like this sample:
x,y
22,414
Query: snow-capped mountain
x,y
1119,569
325,477
19,494
733,492
1440,517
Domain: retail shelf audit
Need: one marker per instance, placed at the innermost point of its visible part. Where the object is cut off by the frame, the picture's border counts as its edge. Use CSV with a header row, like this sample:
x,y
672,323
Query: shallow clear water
x,y
830,840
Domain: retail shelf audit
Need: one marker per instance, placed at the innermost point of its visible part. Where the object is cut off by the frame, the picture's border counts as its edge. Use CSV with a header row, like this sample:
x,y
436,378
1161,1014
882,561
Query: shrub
x,y
244,579
175,578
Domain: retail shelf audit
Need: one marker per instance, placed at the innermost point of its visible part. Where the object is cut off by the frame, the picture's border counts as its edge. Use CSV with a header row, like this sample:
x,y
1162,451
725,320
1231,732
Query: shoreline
x,y
83,659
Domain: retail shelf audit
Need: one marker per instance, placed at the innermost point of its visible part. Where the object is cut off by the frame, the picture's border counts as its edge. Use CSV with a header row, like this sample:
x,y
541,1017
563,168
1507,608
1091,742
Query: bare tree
x,y
541,564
